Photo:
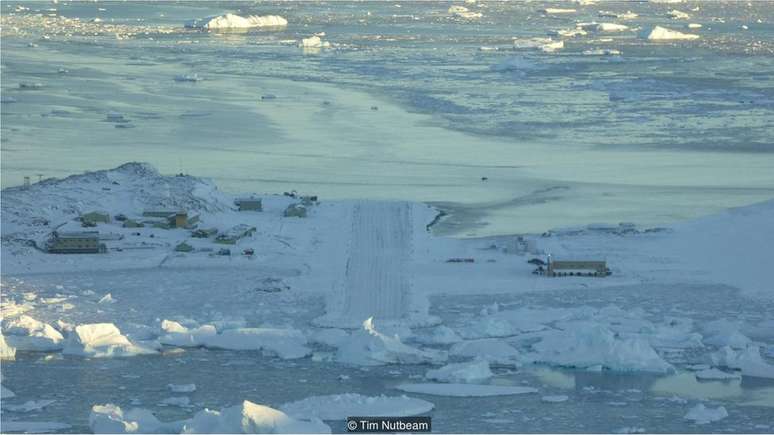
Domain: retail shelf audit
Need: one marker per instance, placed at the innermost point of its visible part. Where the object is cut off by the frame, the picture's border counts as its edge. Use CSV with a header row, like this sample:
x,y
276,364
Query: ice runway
x,y
375,283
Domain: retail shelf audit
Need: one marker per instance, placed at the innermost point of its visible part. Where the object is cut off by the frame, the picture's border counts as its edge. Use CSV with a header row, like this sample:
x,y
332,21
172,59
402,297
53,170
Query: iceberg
x,y
231,21
28,334
700,414
249,417
659,33
749,361
100,340
587,344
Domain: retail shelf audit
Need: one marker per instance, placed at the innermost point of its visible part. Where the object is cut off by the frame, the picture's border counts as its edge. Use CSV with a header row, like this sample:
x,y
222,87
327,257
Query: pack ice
x,y
100,340
27,334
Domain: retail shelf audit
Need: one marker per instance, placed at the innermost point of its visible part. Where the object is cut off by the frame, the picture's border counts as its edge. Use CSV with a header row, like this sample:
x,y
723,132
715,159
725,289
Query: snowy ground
x,y
371,305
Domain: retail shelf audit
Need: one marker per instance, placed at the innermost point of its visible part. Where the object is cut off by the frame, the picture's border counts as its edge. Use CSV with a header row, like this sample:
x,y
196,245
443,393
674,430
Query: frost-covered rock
x,y
700,414
659,33
368,346
467,372
231,21
101,340
715,374
340,406
249,417
749,361
588,344
465,390
27,334
7,352
494,350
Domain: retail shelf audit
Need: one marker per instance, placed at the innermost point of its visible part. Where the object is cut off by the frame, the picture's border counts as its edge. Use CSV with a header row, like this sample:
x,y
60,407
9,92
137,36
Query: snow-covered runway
x,y
375,282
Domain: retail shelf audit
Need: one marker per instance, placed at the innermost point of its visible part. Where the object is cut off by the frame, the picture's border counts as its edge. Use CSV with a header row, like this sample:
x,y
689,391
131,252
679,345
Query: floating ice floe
x,y
441,334
107,299
29,406
284,343
587,344
547,45
494,350
27,334
628,15
467,372
249,417
329,336
101,340
463,12
568,33
188,78
182,388
180,401
749,361
5,393
368,346
314,42
602,27
231,21
725,333
715,375
659,33
34,426
602,52
111,418
465,390
7,352
554,399
340,406
678,15
558,11
700,414
694,26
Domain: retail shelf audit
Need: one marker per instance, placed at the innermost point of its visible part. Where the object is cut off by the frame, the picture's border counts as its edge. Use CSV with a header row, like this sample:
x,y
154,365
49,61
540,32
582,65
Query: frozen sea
x,y
662,132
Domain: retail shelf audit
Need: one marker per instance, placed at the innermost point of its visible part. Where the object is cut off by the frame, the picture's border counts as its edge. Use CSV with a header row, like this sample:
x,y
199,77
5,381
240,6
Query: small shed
x,y
95,217
249,204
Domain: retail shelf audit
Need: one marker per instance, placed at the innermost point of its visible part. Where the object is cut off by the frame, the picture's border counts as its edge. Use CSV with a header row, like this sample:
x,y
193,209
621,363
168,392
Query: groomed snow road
x,y
375,281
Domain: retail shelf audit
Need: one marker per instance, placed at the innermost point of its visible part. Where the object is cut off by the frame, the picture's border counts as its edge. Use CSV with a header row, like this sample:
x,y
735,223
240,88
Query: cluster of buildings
x,y
89,241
